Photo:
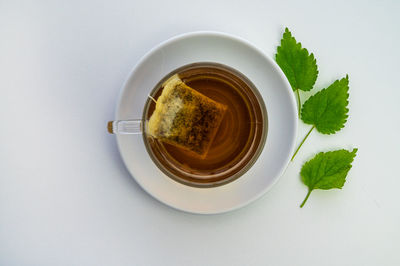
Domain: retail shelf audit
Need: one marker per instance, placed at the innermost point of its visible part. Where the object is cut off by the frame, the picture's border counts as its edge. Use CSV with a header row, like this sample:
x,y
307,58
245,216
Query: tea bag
x,y
185,118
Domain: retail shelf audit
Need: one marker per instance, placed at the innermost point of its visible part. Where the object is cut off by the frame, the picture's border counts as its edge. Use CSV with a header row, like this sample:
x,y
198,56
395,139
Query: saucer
x,y
256,66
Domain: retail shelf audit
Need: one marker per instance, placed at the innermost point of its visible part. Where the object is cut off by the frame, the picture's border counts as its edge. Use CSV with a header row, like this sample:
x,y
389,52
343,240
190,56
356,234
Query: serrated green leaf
x,y
299,66
327,110
327,170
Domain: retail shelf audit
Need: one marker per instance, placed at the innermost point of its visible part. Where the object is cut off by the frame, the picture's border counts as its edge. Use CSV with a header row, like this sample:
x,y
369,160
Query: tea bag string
x,y
154,100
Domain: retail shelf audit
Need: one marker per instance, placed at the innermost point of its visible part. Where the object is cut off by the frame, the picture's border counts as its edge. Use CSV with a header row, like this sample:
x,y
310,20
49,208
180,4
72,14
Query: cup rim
x,y
258,149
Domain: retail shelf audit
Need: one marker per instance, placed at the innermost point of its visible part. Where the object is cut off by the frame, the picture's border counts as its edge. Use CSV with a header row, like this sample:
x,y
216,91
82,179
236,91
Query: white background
x,y
66,197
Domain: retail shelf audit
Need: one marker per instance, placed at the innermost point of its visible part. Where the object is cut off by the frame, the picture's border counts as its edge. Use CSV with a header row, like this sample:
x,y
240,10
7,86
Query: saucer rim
x,y
233,38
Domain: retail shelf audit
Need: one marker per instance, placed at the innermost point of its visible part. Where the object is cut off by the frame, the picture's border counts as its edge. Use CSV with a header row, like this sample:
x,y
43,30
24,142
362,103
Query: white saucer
x,y
266,76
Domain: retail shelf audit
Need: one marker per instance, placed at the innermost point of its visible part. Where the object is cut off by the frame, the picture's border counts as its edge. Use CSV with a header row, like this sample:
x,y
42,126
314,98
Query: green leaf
x,y
299,66
327,110
327,170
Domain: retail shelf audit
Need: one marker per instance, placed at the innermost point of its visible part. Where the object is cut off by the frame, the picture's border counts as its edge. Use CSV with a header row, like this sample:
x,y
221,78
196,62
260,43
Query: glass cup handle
x,y
134,126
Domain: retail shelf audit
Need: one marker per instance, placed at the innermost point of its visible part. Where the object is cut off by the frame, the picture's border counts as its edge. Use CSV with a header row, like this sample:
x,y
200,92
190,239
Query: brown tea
x,y
240,136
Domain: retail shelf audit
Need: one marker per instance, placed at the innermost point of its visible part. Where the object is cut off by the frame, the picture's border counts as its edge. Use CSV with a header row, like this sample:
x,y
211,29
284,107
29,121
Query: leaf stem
x,y
304,201
298,148
299,102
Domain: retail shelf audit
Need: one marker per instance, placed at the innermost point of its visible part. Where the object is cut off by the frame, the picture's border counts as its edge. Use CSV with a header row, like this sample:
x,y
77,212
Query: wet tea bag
x,y
185,118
